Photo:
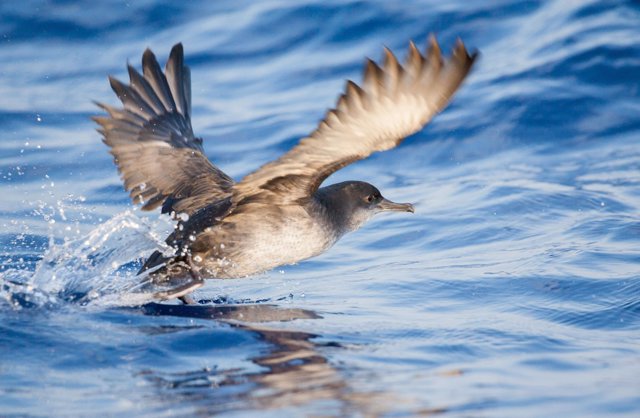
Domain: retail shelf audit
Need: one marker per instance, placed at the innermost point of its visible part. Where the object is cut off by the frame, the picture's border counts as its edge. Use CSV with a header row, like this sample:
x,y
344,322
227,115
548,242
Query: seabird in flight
x,y
278,214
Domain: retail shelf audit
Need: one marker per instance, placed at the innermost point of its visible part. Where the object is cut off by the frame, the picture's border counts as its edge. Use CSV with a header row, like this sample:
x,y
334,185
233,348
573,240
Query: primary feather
x,y
151,139
394,102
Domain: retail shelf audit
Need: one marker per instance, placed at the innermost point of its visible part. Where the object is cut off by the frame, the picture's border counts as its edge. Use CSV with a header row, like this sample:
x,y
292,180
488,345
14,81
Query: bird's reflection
x,y
292,373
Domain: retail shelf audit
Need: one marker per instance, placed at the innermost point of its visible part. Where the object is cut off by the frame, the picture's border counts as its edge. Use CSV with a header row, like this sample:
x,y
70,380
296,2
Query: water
x,y
513,291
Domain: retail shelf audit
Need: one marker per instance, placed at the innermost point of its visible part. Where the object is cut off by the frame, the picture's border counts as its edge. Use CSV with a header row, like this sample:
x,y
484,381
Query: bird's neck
x,y
330,209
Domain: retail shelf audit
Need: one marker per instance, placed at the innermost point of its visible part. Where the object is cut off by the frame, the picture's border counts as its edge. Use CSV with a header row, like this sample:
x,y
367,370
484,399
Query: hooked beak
x,y
387,205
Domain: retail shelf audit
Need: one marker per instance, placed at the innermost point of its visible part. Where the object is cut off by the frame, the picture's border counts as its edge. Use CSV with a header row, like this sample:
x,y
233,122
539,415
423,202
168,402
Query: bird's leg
x,y
182,292
187,299
179,291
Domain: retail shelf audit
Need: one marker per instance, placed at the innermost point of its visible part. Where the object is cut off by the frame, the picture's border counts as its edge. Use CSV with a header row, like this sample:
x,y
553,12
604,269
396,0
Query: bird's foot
x,y
180,291
187,300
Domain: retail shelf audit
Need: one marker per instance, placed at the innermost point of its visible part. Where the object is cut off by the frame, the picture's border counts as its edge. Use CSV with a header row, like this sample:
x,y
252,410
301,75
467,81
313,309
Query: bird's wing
x,y
151,139
393,102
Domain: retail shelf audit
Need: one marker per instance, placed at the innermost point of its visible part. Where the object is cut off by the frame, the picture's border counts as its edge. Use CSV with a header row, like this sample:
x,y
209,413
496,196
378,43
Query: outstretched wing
x,y
151,139
394,101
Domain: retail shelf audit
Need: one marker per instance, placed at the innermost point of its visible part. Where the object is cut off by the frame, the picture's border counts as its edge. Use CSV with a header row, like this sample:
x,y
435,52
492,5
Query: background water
x,y
513,291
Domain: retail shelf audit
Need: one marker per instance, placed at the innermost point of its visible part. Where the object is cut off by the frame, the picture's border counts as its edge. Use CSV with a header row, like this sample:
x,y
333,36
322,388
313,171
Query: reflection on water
x,y
292,372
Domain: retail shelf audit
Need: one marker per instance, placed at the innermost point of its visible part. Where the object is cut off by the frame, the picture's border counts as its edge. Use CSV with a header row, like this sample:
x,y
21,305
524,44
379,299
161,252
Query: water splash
x,y
99,268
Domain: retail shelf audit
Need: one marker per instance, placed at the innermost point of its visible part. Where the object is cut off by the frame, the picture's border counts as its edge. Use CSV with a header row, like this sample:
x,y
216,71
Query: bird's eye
x,y
371,198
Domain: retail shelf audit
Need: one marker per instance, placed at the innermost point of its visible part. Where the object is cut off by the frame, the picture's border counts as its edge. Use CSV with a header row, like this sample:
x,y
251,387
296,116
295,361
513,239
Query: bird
x,y
281,213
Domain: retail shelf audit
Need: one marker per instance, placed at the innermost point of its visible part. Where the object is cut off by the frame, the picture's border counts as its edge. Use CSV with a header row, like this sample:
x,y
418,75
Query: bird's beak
x,y
387,205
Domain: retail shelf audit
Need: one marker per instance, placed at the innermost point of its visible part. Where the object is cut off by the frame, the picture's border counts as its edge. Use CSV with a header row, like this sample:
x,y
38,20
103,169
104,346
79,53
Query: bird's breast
x,y
260,240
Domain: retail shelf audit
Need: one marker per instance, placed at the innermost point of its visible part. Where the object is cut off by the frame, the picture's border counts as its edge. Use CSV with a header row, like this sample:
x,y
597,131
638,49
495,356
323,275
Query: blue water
x,y
513,291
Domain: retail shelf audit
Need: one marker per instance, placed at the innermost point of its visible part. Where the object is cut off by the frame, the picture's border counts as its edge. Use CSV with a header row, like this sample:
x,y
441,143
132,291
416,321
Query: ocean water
x,y
514,290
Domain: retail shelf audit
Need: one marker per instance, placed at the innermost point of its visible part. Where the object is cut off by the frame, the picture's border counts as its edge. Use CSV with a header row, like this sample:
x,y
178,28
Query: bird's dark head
x,y
352,203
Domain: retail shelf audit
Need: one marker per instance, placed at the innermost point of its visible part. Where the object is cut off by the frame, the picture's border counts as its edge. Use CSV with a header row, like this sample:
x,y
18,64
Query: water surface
x,y
513,291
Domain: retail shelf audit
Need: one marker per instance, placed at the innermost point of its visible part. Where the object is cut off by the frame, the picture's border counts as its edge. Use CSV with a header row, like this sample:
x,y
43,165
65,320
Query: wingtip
x,y
148,58
176,54
461,53
372,72
412,47
433,48
119,88
459,46
413,60
353,88
474,55
115,84
389,58
134,75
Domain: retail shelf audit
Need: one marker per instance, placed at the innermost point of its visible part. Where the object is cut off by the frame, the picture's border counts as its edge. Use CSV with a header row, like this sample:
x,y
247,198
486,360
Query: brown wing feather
x,y
394,101
151,139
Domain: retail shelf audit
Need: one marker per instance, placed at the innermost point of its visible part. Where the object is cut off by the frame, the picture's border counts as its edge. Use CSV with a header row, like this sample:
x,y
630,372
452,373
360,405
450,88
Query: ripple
x,y
514,288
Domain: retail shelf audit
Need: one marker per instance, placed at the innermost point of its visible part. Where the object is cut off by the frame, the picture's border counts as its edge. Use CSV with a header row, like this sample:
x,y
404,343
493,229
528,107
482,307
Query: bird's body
x,y
261,237
278,214
235,247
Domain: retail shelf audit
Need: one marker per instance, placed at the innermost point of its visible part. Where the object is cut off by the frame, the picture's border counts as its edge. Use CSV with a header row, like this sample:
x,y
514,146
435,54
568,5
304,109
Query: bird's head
x,y
352,203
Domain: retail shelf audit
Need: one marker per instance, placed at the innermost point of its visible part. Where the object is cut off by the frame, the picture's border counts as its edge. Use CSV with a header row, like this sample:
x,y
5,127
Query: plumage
x,y
152,141
392,104
278,214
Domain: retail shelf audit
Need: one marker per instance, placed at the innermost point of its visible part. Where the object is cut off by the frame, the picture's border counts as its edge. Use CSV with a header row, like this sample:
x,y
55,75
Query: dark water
x,y
513,291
